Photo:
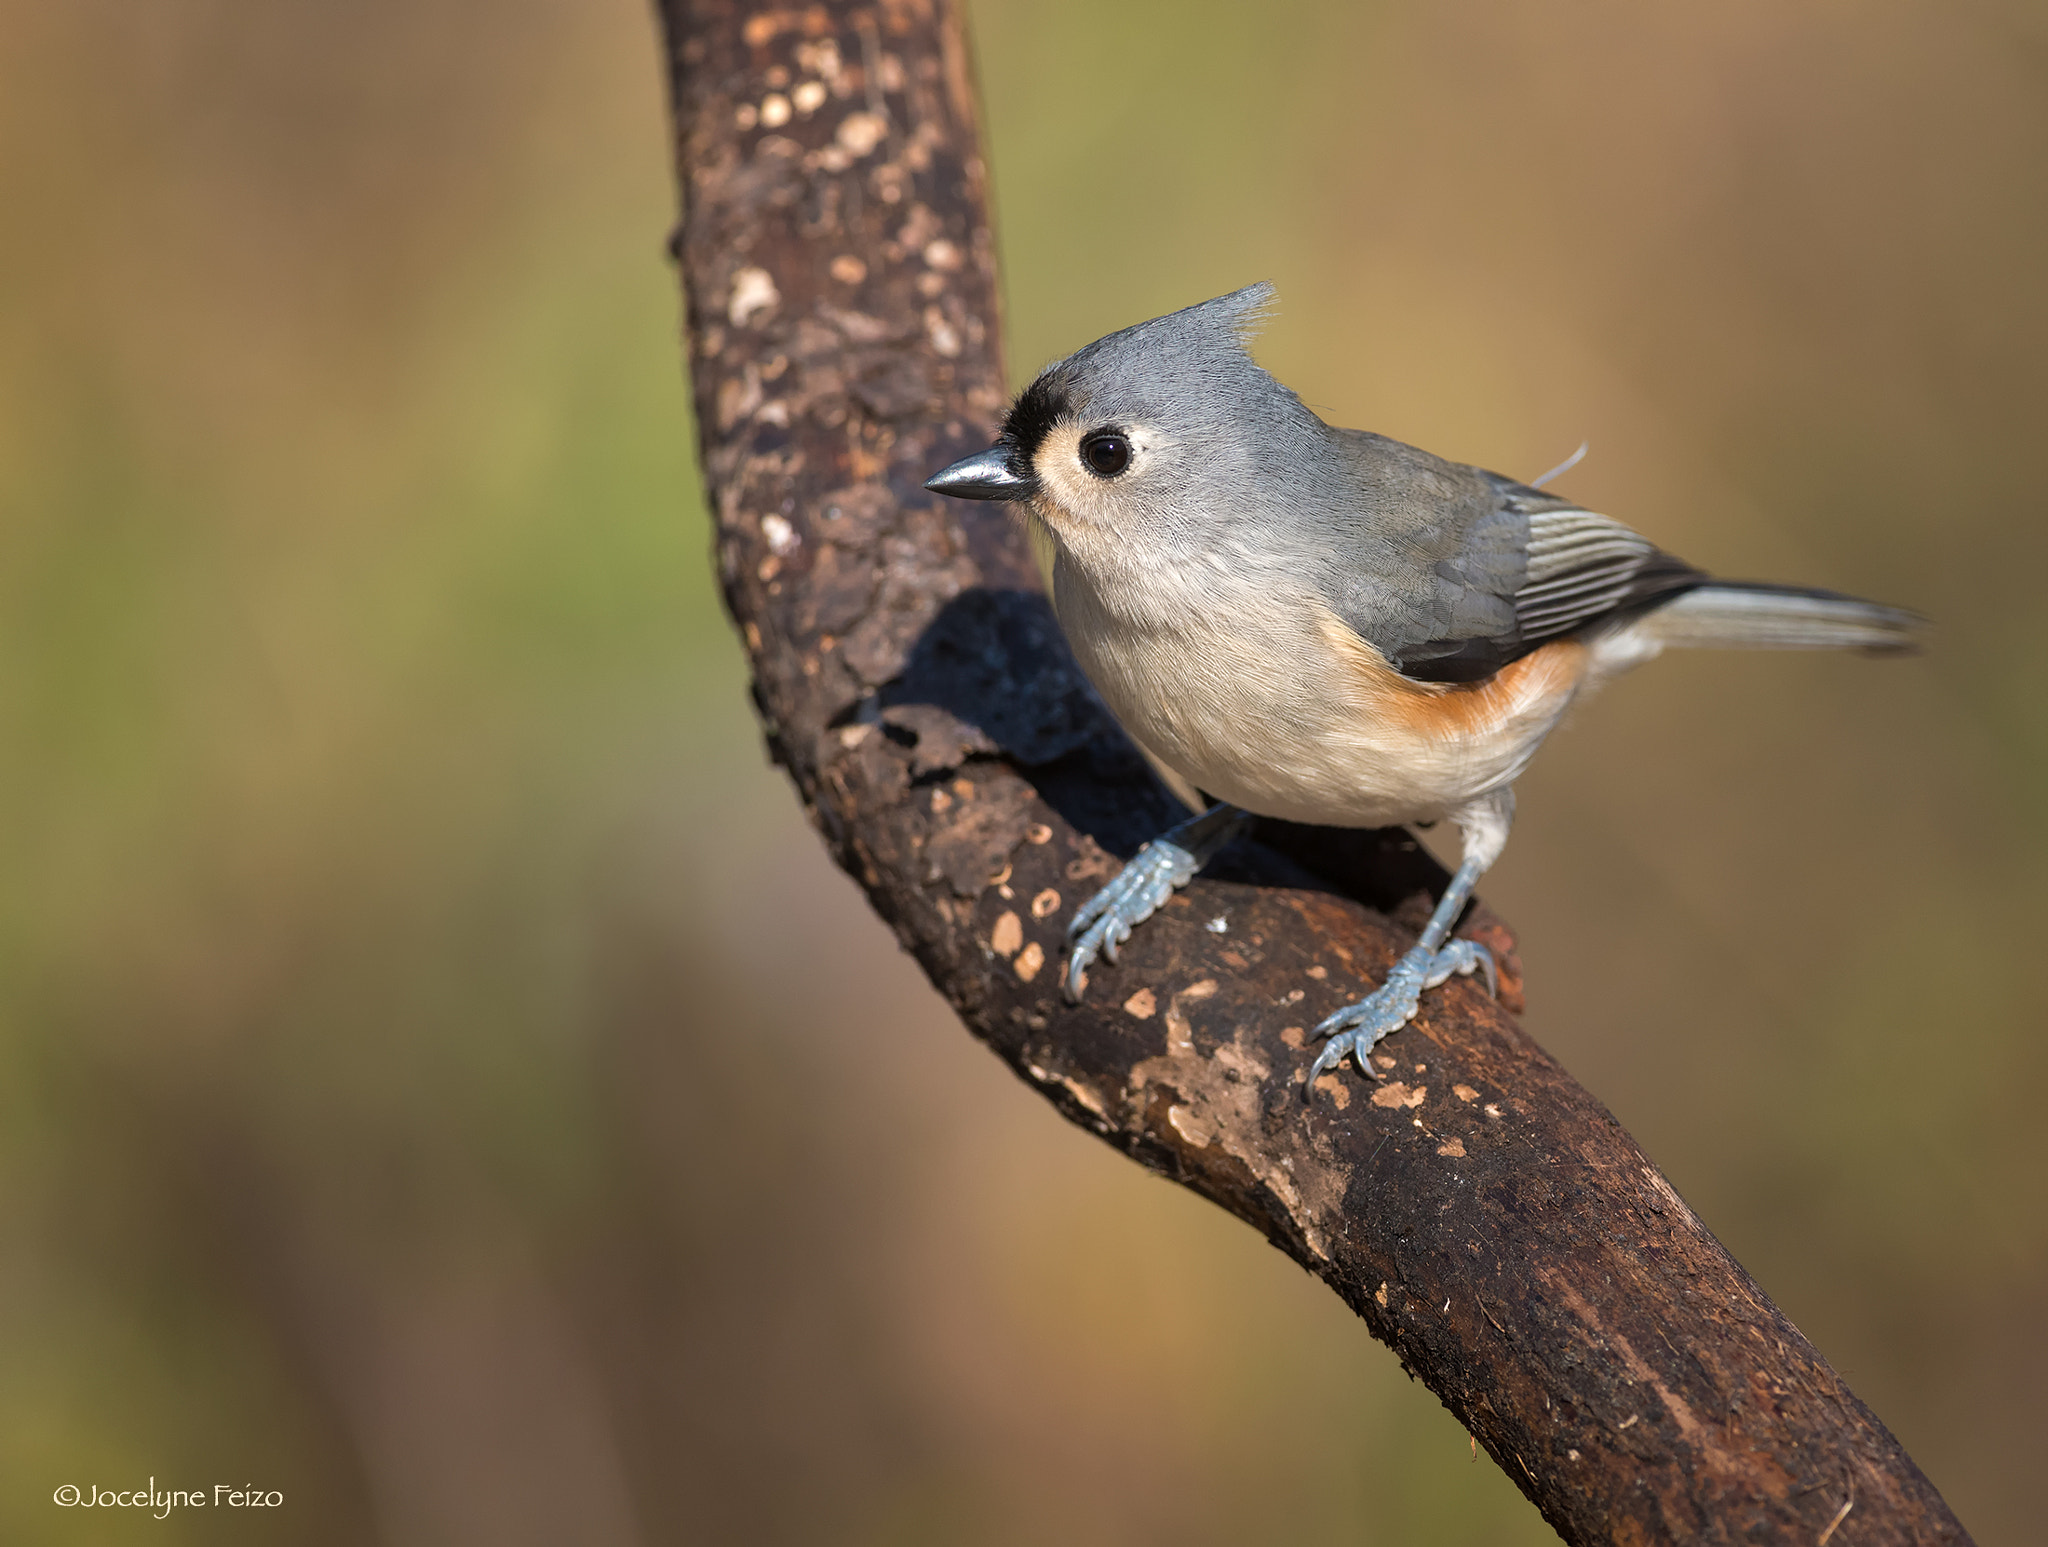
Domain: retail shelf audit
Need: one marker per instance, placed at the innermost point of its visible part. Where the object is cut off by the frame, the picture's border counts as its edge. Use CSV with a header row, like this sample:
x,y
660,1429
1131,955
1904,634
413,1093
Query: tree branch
x,y
1488,1219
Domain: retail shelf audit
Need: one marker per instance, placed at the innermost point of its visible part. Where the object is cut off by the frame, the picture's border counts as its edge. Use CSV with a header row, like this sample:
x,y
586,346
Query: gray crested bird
x,y
1323,625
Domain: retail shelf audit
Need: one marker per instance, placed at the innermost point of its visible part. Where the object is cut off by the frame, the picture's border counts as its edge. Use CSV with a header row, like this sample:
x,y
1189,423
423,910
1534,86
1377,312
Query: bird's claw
x,y
1354,1030
1106,920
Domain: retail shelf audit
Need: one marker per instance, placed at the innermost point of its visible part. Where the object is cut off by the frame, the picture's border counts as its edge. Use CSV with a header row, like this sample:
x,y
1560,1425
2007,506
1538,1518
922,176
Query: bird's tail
x,y
1723,614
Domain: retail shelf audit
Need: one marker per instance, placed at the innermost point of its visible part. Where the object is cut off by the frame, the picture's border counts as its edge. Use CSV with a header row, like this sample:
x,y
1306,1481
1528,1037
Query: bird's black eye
x,y
1106,452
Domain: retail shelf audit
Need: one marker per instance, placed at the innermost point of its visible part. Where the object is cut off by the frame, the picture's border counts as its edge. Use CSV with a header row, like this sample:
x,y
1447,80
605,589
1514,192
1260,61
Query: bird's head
x,y
1166,430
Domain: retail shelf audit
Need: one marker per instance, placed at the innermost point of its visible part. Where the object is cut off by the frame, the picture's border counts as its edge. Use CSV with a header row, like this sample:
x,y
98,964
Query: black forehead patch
x,y
1038,408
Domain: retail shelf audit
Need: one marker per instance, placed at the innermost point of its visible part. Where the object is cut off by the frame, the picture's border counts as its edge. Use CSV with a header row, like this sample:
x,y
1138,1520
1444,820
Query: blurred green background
x,y
441,1078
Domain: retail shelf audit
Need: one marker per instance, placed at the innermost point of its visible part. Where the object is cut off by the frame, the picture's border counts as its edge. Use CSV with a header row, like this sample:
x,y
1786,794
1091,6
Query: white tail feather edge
x,y
1724,615
1745,615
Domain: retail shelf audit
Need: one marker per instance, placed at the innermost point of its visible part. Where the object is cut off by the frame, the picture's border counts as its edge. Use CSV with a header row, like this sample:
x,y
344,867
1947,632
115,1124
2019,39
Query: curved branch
x,y
1488,1219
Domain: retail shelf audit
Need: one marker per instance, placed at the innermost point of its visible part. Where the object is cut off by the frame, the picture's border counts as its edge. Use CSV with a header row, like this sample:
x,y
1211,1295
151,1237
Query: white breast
x,y
1280,708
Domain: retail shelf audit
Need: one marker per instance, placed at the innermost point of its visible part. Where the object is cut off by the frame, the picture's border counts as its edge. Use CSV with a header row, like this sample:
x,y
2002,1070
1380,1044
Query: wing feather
x,y
1496,570
1582,566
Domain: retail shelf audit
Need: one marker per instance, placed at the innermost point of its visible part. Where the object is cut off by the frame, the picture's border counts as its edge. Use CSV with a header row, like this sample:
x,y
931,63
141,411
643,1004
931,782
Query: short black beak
x,y
985,476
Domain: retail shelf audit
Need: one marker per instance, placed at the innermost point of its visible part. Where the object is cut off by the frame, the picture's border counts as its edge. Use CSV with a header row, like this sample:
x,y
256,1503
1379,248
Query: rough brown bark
x,y
1488,1219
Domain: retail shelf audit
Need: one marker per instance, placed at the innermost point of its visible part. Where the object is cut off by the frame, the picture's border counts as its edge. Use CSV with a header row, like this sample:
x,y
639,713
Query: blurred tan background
x,y
441,1078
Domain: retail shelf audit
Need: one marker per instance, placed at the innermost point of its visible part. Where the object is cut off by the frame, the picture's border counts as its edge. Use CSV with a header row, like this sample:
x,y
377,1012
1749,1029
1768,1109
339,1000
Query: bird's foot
x,y
1105,921
1354,1030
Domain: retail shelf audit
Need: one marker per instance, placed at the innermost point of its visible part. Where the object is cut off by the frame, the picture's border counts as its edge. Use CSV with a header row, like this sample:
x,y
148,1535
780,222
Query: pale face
x,y
1096,479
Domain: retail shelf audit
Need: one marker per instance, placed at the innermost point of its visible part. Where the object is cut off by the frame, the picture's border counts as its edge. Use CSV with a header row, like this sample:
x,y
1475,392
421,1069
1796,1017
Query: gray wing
x,y
1452,571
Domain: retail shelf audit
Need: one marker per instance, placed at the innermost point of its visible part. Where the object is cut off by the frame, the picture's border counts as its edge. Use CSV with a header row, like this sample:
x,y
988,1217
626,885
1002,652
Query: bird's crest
x,y
1156,350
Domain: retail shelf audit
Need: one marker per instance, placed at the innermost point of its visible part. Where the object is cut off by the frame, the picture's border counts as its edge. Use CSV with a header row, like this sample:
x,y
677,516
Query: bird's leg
x,y
1355,1029
1155,872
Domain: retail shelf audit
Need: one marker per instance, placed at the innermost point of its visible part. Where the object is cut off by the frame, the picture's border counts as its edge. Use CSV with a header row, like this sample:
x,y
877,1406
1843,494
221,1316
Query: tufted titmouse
x,y
1328,626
